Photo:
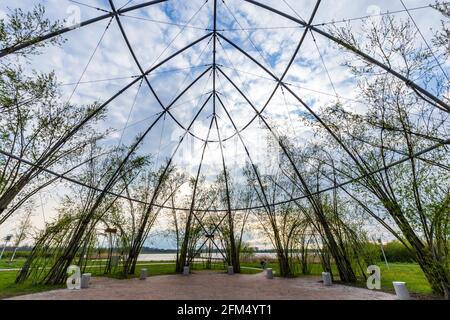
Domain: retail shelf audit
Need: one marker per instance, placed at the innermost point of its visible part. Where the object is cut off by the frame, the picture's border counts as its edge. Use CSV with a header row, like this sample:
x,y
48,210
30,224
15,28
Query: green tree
x,y
34,123
398,123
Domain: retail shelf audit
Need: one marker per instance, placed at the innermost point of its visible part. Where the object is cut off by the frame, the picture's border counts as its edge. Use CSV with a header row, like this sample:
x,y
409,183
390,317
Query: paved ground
x,y
211,286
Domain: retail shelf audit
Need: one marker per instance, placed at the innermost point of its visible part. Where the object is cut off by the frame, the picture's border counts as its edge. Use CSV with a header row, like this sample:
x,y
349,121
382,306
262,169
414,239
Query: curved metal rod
x,y
92,114
366,174
43,186
291,61
358,52
360,165
146,132
6,51
194,191
214,119
213,34
138,64
255,169
138,241
122,164
347,182
258,113
225,173
106,189
169,162
227,192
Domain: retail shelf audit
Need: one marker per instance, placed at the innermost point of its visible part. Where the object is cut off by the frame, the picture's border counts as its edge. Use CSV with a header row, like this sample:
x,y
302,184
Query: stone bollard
x,y
85,280
143,274
230,270
326,277
186,271
401,290
269,273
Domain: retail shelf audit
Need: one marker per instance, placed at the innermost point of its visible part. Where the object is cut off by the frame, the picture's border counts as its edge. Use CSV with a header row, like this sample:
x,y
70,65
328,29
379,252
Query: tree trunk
x,y
435,270
285,267
184,247
12,192
234,254
345,269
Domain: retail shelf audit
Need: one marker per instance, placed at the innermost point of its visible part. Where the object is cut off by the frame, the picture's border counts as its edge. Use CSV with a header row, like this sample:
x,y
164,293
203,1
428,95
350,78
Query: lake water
x,y
172,256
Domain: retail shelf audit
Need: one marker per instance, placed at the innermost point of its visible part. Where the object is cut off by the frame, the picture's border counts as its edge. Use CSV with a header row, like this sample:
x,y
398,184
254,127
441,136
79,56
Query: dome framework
x,y
215,35
214,69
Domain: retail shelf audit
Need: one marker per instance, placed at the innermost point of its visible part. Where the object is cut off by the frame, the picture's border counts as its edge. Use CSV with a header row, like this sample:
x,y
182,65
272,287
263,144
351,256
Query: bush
x,y
19,254
396,252
372,253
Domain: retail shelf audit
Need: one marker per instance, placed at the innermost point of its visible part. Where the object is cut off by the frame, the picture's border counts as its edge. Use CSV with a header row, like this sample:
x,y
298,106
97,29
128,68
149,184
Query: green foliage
x,y
372,252
408,272
19,254
22,27
413,194
9,289
247,252
442,38
396,252
34,122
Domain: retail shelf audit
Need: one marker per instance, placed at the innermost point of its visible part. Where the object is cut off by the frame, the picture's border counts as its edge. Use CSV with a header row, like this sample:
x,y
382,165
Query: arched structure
x,y
215,37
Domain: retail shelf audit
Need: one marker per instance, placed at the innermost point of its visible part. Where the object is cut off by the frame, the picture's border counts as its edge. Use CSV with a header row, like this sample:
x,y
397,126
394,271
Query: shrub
x,y
19,254
396,252
372,253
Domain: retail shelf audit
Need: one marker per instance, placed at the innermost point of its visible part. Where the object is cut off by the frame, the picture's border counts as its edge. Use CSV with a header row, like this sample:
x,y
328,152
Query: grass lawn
x,y
407,272
9,289
6,264
153,269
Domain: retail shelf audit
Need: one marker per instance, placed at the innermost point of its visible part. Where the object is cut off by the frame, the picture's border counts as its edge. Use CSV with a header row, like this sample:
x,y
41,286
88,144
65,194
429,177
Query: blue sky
x,y
153,36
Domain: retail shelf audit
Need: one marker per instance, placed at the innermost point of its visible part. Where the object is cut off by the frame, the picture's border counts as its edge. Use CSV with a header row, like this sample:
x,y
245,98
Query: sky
x,y
94,63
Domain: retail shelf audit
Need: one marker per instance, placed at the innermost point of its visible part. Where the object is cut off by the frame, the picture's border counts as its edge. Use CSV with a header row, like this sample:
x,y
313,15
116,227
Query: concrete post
x,y
230,270
186,271
85,280
143,274
269,273
401,290
326,277
7,239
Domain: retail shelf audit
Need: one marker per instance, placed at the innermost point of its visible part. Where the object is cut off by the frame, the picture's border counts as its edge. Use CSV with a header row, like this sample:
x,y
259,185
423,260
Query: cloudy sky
x,y
94,63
